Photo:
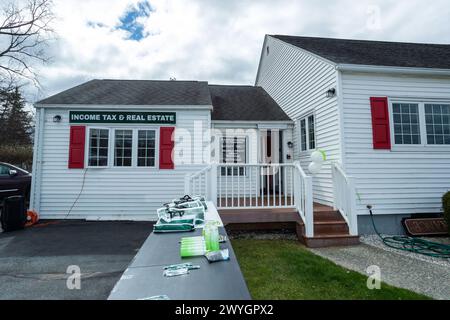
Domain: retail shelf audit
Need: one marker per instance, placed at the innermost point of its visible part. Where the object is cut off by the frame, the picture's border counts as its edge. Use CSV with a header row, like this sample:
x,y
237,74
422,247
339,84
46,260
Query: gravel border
x,y
375,241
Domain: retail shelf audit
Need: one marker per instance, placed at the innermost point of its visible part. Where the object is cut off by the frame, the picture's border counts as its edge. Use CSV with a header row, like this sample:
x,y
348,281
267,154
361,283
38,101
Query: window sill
x,y
421,148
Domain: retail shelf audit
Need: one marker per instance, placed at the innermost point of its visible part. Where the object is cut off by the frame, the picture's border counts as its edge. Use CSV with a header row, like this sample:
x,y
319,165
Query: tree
x,y
15,122
24,34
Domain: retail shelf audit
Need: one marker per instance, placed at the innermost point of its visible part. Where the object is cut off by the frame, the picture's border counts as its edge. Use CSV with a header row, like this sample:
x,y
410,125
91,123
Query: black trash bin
x,y
14,214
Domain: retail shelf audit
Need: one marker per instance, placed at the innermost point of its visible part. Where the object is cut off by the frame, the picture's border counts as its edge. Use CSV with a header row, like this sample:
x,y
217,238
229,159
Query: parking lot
x,y
34,262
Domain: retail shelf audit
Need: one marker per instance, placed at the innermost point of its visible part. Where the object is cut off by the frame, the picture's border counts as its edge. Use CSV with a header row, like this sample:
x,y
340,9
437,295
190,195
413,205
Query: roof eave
x,y
392,70
122,106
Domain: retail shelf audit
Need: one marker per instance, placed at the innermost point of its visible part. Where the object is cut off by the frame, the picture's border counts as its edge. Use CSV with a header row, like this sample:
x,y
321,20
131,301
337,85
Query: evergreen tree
x,y
15,121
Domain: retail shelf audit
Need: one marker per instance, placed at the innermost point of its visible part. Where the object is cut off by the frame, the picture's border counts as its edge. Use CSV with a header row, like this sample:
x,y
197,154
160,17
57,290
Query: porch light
x,y
331,93
290,145
57,119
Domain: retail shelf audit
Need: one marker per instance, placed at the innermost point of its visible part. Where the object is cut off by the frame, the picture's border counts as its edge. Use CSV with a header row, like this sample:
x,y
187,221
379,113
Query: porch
x,y
279,196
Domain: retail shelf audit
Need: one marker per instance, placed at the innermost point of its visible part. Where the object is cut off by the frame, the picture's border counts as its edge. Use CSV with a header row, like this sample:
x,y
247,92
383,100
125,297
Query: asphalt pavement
x,y
34,262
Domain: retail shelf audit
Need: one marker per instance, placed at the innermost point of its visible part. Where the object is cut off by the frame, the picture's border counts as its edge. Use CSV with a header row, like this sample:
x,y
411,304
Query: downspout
x,y
35,201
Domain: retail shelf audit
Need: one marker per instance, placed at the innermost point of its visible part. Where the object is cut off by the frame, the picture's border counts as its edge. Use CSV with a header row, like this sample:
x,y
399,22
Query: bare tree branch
x,y
24,35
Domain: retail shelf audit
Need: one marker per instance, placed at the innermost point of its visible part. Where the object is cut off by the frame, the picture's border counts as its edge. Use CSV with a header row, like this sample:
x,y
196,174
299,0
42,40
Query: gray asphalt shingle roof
x,y
375,53
134,92
244,103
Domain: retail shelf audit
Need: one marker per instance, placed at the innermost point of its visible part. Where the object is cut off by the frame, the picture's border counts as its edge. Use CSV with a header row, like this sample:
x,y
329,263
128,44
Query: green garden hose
x,y
415,245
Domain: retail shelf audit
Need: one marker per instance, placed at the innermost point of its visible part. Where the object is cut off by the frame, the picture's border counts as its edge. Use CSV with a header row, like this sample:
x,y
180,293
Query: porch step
x,y
330,229
322,239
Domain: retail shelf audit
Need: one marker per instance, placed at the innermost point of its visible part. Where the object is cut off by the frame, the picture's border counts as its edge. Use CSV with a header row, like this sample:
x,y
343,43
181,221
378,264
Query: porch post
x,y
213,183
309,214
187,184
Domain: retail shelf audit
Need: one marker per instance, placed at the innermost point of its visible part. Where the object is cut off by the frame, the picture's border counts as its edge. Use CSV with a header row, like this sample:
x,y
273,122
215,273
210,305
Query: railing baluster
x,y
279,186
261,178
285,186
267,187
226,185
273,186
257,187
232,187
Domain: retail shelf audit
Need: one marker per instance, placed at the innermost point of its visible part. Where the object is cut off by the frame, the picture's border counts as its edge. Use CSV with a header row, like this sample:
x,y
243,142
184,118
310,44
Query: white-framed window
x,y
406,123
98,147
234,151
130,147
146,153
437,121
123,148
307,133
420,123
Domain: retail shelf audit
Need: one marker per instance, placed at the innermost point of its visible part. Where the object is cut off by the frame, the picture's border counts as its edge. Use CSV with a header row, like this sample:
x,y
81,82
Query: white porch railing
x,y
251,186
345,197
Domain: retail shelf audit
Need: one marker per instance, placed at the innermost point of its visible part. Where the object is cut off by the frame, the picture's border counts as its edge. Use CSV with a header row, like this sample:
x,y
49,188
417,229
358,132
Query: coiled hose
x,y
415,245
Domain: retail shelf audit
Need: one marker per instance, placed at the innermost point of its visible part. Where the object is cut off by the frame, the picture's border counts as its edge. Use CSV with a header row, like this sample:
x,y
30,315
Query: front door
x,y
271,153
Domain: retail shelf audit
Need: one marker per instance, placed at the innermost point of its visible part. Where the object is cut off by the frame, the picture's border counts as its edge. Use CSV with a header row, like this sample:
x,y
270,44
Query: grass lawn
x,y
278,269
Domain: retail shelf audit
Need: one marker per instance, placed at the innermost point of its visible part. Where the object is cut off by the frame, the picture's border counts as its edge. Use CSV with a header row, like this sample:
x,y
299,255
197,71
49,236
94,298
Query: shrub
x,y
446,207
18,155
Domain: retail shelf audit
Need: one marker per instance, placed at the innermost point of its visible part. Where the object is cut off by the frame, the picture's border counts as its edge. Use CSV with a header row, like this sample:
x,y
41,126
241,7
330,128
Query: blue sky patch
x,y
129,21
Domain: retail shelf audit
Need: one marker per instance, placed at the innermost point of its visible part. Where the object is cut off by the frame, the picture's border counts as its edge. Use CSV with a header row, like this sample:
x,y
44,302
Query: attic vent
x,y
267,50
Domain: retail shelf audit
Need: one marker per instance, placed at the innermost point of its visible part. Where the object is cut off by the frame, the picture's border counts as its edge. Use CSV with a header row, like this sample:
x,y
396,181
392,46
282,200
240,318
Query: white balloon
x,y
317,157
314,168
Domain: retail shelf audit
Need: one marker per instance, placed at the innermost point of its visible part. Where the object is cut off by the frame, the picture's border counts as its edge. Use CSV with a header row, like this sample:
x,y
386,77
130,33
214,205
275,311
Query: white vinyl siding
x,y
409,178
298,82
117,193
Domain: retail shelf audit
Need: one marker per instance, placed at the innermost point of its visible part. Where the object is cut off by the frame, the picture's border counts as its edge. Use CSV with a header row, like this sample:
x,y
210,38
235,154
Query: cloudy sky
x,y
214,40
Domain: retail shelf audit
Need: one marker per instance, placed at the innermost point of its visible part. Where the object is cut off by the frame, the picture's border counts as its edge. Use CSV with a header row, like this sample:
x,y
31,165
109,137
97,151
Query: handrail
x,y
199,173
345,197
256,185
341,171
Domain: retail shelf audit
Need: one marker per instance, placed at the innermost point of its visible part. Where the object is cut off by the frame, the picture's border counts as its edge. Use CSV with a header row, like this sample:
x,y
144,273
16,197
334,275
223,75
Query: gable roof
x,y
374,53
134,92
244,103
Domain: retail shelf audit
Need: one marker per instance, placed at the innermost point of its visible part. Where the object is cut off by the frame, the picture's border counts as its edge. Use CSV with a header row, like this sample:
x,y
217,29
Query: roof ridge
x,y
150,80
233,85
359,40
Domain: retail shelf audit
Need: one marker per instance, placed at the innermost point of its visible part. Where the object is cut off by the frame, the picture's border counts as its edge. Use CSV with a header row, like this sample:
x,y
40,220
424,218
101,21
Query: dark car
x,y
14,182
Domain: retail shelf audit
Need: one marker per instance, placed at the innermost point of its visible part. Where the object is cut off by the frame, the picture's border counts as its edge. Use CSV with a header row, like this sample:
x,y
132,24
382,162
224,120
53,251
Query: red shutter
x,y
76,147
166,145
380,123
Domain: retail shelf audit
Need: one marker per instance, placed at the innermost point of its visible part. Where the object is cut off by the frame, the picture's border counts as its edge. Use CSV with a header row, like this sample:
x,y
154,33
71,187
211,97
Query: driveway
x,y
34,262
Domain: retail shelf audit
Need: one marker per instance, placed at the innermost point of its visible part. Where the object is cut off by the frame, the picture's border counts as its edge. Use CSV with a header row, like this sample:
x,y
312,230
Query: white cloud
x,y
215,40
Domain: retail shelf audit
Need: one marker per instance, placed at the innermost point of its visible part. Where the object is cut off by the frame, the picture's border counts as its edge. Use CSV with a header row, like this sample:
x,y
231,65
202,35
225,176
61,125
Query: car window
x,y
4,170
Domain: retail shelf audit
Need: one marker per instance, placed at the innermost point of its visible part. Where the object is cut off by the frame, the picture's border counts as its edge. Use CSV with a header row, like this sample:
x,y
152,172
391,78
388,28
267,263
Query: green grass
x,y
285,270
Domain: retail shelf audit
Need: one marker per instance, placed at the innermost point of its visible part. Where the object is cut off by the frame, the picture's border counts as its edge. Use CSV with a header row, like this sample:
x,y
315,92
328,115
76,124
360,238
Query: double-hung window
x,y
146,148
419,123
98,147
234,151
123,148
437,120
307,133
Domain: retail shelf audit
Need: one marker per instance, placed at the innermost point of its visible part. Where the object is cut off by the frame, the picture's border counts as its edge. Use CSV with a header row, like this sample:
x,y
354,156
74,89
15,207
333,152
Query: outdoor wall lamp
x,y
57,119
331,93
290,145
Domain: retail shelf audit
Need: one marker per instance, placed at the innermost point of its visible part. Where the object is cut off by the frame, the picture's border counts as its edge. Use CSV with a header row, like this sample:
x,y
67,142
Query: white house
x,y
381,113
119,149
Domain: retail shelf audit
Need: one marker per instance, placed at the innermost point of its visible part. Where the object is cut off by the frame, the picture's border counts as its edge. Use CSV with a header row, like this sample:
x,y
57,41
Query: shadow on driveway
x,y
33,262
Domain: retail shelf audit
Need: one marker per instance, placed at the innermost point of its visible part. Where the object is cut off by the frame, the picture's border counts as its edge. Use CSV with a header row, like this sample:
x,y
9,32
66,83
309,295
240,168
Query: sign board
x,y
118,117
